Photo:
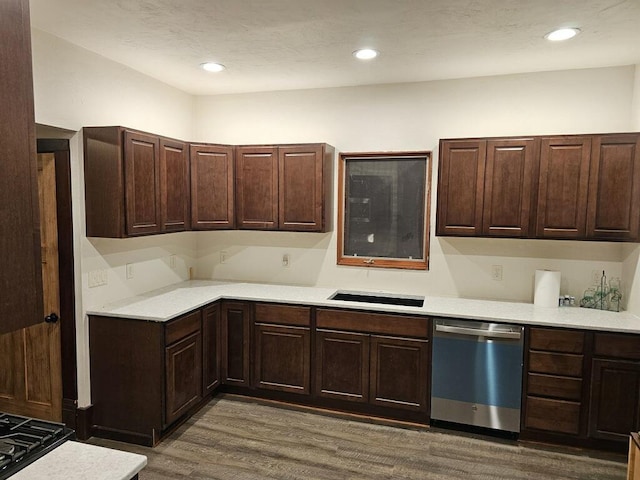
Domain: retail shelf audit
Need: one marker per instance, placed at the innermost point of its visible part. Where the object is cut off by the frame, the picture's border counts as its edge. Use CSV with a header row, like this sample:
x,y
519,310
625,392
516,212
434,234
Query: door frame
x,y
60,149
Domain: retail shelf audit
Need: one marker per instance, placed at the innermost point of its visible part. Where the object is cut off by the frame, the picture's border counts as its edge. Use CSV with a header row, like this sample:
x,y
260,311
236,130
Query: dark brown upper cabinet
x,y
21,275
305,183
563,184
174,185
582,187
257,187
212,187
613,208
507,187
484,187
461,187
284,187
124,194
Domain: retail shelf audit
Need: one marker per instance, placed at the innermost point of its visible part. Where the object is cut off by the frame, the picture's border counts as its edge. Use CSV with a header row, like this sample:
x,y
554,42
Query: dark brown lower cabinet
x,y
144,375
615,399
183,370
236,343
556,365
342,365
210,348
399,372
282,358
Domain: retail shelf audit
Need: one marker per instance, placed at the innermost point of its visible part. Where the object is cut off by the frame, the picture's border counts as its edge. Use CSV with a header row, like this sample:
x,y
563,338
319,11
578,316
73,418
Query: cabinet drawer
x,y
180,328
373,323
552,386
555,340
617,346
556,363
283,314
553,415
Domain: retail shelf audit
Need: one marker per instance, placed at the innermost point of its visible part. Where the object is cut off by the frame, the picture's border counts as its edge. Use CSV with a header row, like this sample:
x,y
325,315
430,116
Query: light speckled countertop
x,y
80,461
172,301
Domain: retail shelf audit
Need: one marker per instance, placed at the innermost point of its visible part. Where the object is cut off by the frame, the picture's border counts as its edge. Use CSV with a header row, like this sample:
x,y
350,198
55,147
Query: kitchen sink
x,y
366,297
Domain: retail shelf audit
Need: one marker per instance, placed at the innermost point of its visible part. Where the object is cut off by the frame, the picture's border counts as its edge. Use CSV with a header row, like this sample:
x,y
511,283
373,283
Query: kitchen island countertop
x,y
170,302
80,461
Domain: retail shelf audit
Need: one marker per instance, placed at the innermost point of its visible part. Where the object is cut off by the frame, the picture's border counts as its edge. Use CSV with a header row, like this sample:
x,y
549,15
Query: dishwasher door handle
x,y
478,333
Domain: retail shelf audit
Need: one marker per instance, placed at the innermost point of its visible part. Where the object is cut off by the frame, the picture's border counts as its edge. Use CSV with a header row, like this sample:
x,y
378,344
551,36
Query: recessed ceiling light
x,y
562,34
212,67
365,53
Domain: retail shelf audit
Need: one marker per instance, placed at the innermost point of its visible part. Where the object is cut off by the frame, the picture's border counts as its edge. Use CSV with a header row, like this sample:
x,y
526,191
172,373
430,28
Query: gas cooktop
x,y
24,440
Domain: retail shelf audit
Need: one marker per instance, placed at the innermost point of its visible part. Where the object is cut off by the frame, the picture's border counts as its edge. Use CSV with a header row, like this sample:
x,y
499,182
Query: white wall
x,y
631,265
74,88
415,117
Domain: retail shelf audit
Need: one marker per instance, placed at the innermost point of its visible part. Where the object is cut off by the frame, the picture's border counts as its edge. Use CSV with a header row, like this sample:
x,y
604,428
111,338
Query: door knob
x,y
51,318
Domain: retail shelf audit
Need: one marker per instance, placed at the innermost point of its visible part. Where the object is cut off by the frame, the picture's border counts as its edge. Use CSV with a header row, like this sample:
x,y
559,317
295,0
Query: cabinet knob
x,y
52,318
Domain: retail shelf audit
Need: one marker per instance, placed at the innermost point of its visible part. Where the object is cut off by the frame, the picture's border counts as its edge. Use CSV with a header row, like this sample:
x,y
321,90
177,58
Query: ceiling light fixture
x,y
212,67
365,53
562,34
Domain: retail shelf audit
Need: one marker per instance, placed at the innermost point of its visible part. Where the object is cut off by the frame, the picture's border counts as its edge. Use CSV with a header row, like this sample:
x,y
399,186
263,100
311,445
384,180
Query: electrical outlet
x,y
596,275
496,272
223,256
286,260
172,261
97,278
129,268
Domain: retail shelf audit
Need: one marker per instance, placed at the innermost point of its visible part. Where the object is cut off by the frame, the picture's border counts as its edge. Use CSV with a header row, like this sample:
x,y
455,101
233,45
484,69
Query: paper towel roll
x,y
547,288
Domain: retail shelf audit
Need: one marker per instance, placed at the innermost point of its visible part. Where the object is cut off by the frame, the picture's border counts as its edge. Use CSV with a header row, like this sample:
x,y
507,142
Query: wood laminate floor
x,y
244,440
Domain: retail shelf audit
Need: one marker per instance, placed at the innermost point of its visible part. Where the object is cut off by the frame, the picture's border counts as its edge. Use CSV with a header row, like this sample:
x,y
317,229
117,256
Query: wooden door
x,y
31,376
174,185
20,276
183,363
562,190
212,187
282,358
342,365
210,348
257,188
615,399
614,188
508,187
142,192
461,187
300,187
235,343
399,376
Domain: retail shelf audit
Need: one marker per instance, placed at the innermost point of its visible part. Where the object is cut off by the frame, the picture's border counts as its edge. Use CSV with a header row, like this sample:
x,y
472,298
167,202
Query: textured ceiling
x,y
294,44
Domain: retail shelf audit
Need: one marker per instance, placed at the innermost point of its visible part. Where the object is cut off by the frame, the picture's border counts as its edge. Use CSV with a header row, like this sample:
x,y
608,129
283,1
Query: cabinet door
x,y
615,399
257,188
212,189
21,275
174,185
614,188
142,191
342,365
183,363
461,187
562,190
235,343
282,358
399,373
210,348
301,192
508,187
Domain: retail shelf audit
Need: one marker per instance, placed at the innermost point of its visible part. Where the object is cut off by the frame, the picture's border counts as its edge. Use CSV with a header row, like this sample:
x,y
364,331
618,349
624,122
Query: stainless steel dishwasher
x,y
477,374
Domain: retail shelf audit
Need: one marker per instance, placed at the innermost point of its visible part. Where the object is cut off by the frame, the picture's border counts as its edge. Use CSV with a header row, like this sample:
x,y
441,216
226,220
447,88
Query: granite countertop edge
x,y
175,300
79,461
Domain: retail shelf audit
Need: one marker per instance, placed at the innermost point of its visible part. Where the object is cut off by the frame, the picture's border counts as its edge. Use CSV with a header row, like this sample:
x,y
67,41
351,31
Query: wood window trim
x,y
381,262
